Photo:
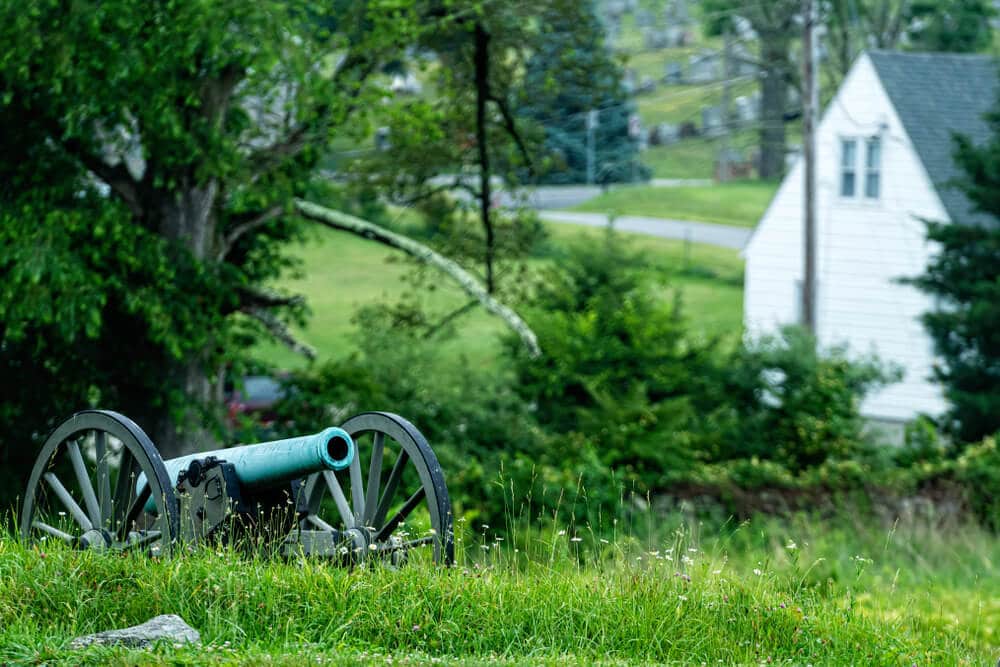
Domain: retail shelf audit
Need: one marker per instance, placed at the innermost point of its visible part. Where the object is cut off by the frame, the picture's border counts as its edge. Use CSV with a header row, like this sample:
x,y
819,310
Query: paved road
x,y
550,196
697,232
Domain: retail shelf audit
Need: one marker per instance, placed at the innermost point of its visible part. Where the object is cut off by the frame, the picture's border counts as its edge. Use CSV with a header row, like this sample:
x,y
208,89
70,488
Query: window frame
x,y
844,168
858,171
873,171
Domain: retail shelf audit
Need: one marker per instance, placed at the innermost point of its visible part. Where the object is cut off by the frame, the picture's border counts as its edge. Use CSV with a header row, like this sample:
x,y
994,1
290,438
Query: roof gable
x,y
936,95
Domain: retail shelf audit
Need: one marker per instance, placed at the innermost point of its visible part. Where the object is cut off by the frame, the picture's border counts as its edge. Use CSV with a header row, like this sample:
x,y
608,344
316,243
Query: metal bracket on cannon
x,y
208,494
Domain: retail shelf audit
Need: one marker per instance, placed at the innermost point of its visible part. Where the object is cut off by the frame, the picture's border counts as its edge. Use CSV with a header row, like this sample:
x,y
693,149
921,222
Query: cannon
x,y
368,490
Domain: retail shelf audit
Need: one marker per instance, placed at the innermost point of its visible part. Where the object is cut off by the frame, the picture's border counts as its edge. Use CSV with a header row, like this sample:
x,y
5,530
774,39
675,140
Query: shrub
x,y
978,470
784,399
618,372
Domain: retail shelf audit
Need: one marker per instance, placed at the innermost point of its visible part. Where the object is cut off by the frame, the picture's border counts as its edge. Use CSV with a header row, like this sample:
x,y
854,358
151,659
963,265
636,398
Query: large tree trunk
x,y
186,218
774,100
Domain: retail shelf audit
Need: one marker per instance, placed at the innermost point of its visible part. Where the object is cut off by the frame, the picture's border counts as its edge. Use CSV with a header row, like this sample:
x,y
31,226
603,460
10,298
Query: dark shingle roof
x,y
935,95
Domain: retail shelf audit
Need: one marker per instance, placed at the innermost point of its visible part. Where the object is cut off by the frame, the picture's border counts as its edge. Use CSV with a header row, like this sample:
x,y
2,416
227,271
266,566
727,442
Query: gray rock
x,y
168,627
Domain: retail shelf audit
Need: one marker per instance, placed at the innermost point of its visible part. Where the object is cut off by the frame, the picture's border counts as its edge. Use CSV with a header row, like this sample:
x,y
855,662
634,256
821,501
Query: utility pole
x,y
593,117
810,99
725,168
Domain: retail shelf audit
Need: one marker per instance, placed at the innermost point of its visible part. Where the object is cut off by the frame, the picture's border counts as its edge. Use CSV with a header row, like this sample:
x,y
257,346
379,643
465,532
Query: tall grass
x,y
662,588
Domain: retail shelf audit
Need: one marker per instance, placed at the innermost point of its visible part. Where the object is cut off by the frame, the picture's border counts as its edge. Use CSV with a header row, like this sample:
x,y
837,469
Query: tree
x,y
149,182
964,278
573,89
445,160
960,26
774,21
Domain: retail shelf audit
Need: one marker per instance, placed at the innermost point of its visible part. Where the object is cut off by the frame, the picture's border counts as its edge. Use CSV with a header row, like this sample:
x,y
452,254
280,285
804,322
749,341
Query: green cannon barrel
x,y
272,463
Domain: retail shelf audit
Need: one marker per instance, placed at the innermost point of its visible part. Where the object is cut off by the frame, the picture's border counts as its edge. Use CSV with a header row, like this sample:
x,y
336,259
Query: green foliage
x,y
964,279
151,156
472,419
978,470
961,26
784,399
618,372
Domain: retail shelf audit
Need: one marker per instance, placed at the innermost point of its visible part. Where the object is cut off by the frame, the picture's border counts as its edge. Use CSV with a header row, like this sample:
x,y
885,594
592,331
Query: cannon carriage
x,y
369,490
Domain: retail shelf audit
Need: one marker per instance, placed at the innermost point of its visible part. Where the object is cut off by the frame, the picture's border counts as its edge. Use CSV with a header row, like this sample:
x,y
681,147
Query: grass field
x,y
738,203
767,592
340,272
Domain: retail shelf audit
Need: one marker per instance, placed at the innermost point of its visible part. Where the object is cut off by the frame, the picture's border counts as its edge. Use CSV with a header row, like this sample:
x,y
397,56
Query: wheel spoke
x,y
411,504
410,544
51,530
357,490
338,497
83,479
310,494
67,501
134,510
103,476
390,489
143,540
124,488
374,476
319,523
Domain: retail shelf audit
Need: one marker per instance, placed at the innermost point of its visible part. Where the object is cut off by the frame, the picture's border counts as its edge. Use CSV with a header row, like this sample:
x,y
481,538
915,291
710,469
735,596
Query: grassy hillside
x,y
340,272
791,593
738,203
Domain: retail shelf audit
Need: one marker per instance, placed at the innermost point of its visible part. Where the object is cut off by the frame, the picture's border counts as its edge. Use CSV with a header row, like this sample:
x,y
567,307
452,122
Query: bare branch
x,y
511,125
250,297
245,227
117,177
457,184
472,287
280,331
350,76
451,317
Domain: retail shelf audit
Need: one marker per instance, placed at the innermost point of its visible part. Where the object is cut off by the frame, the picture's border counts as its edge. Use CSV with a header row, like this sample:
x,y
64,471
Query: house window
x,y
848,166
873,159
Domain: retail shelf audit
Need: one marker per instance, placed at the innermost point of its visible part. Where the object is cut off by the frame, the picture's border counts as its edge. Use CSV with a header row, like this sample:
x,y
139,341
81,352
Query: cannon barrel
x,y
272,463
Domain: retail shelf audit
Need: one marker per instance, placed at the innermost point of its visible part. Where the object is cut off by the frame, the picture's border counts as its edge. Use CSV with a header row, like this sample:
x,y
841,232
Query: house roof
x,y
936,95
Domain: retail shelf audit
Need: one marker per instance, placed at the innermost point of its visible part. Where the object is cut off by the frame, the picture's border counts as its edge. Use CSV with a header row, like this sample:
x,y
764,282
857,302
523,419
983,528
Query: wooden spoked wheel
x,y
82,489
391,502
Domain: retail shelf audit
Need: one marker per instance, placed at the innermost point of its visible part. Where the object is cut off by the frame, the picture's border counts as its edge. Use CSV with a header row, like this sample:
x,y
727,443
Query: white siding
x,y
864,246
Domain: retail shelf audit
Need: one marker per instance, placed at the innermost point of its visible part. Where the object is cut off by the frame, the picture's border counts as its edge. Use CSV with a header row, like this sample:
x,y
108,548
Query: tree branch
x,y
349,223
117,177
245,227
279,330
253,298
351,73
447,187
511,125
451,317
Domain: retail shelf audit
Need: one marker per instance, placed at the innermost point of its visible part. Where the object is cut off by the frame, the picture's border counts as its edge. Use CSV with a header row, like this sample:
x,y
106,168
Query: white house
x,y
884,163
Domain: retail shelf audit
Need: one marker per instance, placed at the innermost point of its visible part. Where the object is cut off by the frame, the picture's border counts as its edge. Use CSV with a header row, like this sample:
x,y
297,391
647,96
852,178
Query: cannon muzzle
x,y
273,463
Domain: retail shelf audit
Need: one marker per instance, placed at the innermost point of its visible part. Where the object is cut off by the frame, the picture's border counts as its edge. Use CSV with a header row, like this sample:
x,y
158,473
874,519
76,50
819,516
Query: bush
x,y
783,399
978,470
618,372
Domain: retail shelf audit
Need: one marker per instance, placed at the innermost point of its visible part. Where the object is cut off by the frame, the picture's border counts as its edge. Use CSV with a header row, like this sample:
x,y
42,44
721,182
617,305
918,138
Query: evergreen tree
x,y
965,278
573,74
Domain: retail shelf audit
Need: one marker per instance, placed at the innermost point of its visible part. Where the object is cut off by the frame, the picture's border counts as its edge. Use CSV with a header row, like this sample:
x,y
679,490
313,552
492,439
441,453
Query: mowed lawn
x,y
340,272
739,203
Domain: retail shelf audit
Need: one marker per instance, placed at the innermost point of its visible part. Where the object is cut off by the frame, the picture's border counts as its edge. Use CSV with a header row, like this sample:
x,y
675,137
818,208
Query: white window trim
x,y
859,198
